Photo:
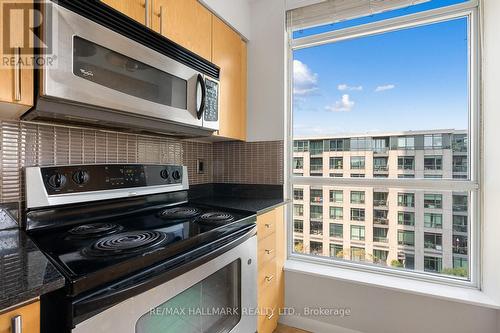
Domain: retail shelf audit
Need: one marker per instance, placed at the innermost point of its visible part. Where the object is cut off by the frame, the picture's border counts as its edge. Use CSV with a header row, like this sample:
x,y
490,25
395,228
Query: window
x,y
357,162
433,201
316,248
380,235
380,164
336,213
433,220
406,218
357,214
298,163
316,228
336,196
316,164
298,194
336,230
406,237
336,163
406,199
433,264
460,262
433,141
357,232
316,196
316,212
406,163
406,142
378,128
357,197
433,163
298,210
298,226
433,241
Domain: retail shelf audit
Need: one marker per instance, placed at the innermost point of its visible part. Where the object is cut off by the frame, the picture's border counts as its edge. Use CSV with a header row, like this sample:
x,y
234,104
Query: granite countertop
x,y
259,206
25,272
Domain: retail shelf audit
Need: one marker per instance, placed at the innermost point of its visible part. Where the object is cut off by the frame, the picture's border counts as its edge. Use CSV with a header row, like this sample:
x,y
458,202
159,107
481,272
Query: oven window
x,y
210,306
113,70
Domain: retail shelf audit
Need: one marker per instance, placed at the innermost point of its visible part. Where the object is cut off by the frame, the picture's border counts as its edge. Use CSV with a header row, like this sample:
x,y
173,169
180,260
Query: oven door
x,y
218,296
98,67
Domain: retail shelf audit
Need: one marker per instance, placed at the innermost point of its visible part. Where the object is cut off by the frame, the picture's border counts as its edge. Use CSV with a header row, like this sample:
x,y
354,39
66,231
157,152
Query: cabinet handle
x,y
269,278
267,225
146,7
16,325
269,251
160,15
17,75
270,316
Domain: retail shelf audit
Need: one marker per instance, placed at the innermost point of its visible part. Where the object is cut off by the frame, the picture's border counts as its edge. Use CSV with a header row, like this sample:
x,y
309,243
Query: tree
x,y
396,263
458,271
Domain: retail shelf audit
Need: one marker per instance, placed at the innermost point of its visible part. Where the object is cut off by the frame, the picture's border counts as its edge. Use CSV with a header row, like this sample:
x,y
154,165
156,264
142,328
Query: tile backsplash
x,y
30,144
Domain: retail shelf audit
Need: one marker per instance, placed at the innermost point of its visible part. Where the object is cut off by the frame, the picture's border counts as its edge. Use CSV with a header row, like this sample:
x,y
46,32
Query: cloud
x,y
385,87
305,81
345,87
344,105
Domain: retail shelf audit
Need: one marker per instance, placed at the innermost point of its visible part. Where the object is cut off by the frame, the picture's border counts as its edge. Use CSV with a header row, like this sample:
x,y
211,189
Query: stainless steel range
x,y
137,255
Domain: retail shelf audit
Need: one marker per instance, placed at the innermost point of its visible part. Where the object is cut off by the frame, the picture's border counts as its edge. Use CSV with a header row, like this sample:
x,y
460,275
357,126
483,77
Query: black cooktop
x,y
105,248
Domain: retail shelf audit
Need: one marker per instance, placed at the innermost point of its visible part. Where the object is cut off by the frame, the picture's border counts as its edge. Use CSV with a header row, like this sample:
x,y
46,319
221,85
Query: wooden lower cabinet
x,y
29,317
271,258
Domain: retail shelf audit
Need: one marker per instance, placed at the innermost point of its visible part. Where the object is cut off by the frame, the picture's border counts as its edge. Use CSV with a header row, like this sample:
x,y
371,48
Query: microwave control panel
x,y
212,100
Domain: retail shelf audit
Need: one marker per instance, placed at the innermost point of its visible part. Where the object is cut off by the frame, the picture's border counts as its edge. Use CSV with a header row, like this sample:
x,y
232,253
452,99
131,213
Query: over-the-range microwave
x,y
106,70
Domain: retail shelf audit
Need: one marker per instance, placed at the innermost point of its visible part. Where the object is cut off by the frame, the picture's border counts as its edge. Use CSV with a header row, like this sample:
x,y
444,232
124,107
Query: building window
x,y
380,216
300,146
432,220
298,210
433,163
357,162
298,163
336,175
316,248
336,196
460,262
357,175
357,214
336,213
406,199
406,237
380,199
460,203
460,163
433,241
358,253
406,218
433,141
316,147
380,235
316,228
316,212
405,176
380,164
336,250
459,143
380,256
406,142
406,163
433,201
298,226
460,223
336,230
433,264
298,194
460,244
357,197
337,145
357,232
433,176
360,144
316,164
316,196
380,145
336,163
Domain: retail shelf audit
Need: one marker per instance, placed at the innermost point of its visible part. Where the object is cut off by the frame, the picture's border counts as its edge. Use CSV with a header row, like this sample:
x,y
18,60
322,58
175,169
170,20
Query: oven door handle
x,y
90,305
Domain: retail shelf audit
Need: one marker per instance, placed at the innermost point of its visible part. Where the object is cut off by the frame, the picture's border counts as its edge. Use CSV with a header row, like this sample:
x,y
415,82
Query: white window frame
x,y
472,186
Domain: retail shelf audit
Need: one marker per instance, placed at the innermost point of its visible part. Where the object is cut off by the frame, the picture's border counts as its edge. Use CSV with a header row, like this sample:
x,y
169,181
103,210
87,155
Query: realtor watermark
x,y
24,25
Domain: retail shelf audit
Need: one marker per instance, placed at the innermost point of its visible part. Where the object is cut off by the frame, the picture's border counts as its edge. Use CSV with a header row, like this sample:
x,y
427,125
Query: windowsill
x,y
446,292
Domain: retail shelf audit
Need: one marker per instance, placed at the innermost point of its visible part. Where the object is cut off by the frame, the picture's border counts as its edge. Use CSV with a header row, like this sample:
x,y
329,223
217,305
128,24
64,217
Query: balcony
x,y
380,202
381,220
460,250
380,168
379,239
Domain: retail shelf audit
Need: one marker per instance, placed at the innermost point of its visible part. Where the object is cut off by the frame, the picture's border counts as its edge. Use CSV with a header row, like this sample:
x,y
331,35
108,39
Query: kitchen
x,y
146,182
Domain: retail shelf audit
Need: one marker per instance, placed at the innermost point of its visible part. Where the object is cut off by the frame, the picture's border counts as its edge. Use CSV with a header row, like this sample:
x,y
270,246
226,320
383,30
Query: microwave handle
x,y
201,81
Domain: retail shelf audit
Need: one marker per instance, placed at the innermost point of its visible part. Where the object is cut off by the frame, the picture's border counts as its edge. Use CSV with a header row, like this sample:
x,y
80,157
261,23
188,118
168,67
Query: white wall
x,y
233,12
266,71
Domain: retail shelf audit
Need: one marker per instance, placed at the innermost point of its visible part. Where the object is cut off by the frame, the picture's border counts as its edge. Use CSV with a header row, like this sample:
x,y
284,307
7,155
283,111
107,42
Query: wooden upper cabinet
x,y
16,79
135,9
27,315
229,52
185,22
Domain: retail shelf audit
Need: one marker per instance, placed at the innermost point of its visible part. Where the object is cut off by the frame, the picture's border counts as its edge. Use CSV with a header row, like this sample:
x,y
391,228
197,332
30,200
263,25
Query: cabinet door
x,y
229,53
29,317
185,22
16,78
135,9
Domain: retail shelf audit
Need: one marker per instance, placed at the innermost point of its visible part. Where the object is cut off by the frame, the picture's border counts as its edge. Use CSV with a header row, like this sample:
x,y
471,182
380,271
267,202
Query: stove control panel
x,y
87,178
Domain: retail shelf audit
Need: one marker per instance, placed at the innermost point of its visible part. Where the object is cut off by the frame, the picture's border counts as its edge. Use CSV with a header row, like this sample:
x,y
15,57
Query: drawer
x,y
266,224
266,275
266,249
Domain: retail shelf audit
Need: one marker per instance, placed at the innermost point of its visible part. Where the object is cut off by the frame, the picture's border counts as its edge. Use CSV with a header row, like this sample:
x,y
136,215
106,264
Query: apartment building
x,y
424,230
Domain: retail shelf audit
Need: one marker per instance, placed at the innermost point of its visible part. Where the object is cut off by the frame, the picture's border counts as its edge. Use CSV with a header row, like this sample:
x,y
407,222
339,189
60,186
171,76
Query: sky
x,y
412,79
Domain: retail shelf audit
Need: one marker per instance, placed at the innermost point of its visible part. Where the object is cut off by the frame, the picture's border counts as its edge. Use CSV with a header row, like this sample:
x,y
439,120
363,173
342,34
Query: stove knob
x,y
176,175
57,181
164,174
81,177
